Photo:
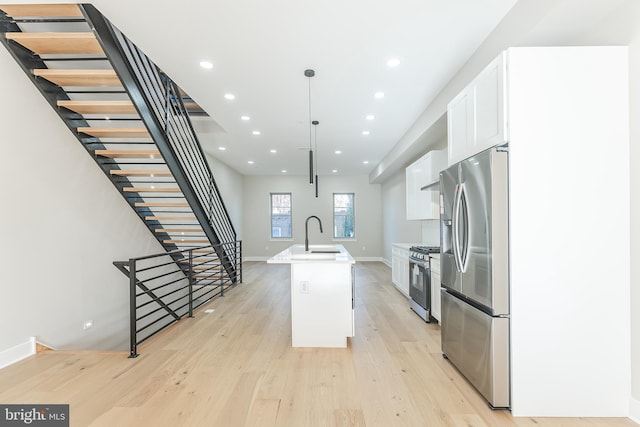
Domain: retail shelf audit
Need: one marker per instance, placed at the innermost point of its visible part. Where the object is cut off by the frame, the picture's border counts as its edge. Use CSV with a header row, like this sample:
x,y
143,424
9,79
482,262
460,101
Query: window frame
x,y
353,216
271,215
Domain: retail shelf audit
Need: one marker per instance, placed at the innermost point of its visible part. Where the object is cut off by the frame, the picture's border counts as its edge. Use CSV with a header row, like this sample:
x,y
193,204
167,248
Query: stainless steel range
x,y
420,280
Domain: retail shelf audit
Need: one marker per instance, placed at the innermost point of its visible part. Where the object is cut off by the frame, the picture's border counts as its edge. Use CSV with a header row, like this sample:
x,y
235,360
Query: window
x,y
344,220
280,215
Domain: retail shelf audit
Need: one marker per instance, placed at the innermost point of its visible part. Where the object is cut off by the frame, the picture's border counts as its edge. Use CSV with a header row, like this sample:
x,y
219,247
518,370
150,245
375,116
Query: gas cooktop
x,y
425,249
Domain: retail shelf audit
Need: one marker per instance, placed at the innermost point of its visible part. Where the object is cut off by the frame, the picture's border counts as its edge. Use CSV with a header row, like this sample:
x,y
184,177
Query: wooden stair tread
x,y
127,172
59,10
169,218
128,154
162,204
99,107
178,230
151,190
58,43
84,78
185,241
113,132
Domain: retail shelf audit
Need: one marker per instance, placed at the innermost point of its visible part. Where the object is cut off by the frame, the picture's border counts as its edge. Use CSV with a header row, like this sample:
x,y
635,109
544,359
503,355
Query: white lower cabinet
x,y
435,289
400,268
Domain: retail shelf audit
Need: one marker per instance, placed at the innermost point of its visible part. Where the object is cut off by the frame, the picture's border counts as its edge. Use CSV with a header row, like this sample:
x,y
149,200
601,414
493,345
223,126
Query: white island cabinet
x,y
322,294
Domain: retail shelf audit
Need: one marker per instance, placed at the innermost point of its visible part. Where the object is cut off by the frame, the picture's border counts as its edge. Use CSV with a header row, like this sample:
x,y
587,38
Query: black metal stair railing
x,y
166,287
159,103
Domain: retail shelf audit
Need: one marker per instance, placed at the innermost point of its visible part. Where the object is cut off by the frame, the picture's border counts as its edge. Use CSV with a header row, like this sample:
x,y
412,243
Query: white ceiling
x,y
260,50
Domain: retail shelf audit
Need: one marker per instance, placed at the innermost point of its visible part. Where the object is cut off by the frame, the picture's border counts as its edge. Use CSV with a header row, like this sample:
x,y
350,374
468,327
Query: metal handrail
x,y
150,311
159,103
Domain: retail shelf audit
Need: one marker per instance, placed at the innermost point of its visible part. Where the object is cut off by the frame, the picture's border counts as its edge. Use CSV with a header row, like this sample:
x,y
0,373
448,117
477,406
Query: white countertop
x,y
405,245
317,254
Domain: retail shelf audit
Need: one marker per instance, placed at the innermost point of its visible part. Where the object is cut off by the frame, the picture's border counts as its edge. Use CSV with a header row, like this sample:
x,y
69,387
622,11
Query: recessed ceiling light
x,y
338,152
153,186
370,117
256,132
206,65
335,171
365,132
366,162
283,171
229,96
250,162
245,118
222,148
273,151
393,62
379,95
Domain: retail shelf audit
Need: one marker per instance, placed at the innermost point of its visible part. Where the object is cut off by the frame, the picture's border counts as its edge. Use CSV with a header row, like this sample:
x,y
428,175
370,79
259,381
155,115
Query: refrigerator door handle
x,y
464,253
454,228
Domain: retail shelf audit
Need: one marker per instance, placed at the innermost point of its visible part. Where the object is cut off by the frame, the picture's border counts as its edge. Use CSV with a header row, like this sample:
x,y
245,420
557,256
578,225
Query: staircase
x,y
134,121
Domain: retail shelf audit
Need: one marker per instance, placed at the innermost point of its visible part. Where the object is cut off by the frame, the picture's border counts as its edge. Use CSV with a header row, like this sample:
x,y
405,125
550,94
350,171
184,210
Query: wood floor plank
x,y
235,367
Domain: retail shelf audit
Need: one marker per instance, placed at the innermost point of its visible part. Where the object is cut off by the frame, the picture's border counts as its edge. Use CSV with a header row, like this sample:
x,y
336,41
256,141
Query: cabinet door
x,y
395,267
404,273
435,289
424,171
460,126
489,106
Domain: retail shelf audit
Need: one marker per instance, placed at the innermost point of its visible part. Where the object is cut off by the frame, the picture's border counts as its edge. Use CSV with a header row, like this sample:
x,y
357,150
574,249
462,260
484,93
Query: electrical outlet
x,y
88,324
364,248
304,287
266,248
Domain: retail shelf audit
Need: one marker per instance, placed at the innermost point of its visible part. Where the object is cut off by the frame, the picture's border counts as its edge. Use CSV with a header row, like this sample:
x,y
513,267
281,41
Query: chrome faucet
x,y
306,231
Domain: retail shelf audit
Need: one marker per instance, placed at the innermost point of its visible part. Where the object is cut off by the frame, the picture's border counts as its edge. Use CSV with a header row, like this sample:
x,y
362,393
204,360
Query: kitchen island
x,y
322,294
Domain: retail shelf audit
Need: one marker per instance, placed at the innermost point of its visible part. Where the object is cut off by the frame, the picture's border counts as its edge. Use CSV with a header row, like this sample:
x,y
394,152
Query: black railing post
x,y
191,283
221,280
133,327
240,260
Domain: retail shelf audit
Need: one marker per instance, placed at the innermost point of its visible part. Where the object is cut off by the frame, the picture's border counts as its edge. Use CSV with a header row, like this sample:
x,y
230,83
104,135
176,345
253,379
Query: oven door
x,y
419,278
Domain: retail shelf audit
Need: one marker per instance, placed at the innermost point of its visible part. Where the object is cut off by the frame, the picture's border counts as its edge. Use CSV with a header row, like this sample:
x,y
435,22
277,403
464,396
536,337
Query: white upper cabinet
x,y
476,117
423,172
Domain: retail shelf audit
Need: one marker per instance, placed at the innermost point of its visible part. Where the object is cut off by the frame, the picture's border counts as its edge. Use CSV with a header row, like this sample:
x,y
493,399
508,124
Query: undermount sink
x,y
317,252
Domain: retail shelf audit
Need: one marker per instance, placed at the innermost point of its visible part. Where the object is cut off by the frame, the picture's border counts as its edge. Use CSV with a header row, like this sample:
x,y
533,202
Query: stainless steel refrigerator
x,y
474,229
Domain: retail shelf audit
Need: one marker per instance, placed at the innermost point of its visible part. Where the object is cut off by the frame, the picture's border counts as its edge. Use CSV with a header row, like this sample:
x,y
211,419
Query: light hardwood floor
x,y
235,367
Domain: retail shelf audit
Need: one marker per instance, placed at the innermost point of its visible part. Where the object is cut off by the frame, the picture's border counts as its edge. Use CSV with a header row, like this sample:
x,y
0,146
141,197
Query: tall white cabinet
x,y
564,113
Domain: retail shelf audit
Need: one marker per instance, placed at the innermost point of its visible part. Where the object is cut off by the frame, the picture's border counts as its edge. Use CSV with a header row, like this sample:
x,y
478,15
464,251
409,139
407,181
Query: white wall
x,y
256,224
62,225
230,184
397,229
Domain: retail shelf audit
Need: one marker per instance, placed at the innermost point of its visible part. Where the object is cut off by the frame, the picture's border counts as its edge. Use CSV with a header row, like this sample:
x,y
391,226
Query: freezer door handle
x,y
457,249
462,206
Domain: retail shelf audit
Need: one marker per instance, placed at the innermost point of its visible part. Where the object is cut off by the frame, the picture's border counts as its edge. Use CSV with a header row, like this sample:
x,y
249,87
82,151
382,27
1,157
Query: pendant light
x,y
315,124
310,73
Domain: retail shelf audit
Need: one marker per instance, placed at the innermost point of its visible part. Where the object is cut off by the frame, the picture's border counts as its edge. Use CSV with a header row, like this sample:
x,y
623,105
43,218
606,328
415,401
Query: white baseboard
x,y
387,262
17,353
634,410
255,258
